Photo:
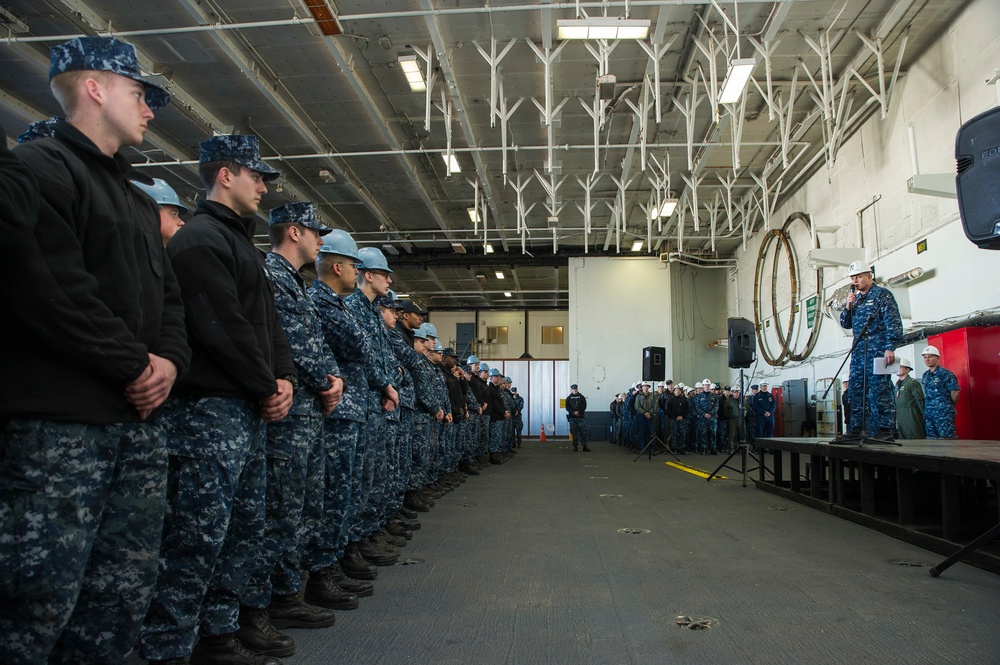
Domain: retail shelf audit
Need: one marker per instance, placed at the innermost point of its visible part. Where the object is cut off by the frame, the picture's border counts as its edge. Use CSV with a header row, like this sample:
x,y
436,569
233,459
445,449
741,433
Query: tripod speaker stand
x,y
742,448
656,446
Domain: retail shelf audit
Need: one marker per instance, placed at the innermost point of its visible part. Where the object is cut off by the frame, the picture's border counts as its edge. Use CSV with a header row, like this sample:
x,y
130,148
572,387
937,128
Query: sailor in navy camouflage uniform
x,y
885,332
940,397
576,414
328,555
706,411
374,280
295,462
90,355
427,413
242,376
393,427
516,415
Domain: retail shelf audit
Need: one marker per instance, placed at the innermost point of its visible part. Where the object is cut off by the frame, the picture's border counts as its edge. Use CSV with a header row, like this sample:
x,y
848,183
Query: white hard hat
x,y
705,382
930,351
712,387
858,268
904,362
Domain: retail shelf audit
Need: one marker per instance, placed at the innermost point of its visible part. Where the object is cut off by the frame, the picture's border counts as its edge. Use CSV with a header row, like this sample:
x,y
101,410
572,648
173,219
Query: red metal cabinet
x,y
973,354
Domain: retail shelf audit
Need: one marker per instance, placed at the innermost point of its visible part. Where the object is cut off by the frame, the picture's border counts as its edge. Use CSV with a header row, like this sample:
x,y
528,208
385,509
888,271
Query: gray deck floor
x,y
525,564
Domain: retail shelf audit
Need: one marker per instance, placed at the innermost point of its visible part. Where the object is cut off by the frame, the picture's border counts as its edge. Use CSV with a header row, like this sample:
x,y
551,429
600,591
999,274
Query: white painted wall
x,y
943,89
446,322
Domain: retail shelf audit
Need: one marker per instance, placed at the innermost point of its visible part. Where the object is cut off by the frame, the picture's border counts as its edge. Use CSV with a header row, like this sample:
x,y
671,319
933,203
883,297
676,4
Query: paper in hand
x,y
881,368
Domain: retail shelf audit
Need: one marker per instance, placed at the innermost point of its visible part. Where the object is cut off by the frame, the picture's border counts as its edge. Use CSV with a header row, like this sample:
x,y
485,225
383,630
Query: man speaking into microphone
x,y
869,302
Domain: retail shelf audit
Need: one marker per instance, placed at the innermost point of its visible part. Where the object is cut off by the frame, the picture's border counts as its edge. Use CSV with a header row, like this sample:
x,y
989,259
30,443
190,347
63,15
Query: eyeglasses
x,y
356,266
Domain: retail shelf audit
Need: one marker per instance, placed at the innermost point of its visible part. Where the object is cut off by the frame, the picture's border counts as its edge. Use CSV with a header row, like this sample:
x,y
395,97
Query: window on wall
x,y
496,334
552,334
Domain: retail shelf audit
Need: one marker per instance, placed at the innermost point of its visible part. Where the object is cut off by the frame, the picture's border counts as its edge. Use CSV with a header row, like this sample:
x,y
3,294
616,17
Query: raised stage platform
x,y
938,495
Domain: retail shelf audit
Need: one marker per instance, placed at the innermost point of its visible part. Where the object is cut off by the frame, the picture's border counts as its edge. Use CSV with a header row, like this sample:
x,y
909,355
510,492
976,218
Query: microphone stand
x,y
863,437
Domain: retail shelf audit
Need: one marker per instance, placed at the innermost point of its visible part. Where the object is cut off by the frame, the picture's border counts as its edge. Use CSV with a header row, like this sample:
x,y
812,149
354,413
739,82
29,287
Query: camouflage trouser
x,y
879,401
706,433
432,452
939,422
81,508
405,463
292,444
372,453
578,429
391,480
496,436
722,434
445,448
214,522
422,424
483,446
508,435
518,426
325,542
678,434
468,430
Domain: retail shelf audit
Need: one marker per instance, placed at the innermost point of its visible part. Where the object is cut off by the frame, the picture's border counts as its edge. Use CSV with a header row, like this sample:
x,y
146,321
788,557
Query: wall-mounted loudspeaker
x,y
977,151
742,343
653,368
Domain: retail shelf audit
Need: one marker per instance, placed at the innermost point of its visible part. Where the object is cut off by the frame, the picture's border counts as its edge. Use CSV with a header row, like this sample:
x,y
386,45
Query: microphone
x,y
854,290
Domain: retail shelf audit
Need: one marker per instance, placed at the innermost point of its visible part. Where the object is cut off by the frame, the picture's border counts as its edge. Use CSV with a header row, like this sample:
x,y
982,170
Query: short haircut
x,y
65,87
324,264
209,171
277,233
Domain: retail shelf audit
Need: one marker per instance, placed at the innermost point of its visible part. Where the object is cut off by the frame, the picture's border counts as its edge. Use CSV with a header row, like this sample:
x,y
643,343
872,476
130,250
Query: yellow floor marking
x,y
693,471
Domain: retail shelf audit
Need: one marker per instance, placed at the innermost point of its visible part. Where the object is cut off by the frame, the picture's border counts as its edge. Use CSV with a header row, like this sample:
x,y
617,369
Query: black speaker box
x,y
742,343
977,151
653,368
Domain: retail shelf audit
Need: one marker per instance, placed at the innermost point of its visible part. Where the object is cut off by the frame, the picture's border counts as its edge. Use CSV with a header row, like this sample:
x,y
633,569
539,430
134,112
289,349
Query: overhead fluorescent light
x,y
411,69
736,80
637,245
458,247
389,248
507,294
601,27
499,274
451,162
667,209
402,295
473,215
489,249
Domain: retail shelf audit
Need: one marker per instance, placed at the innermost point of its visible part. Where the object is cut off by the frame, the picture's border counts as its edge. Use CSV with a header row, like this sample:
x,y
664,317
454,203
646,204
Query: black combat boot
x,y
344,581
394,540
289,611
259,634
323,591
355,565
398,530
227,650
376,555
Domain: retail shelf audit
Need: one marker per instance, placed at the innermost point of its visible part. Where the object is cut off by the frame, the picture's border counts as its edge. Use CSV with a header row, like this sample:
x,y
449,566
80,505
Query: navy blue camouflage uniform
x,y
885,333
939,410
89,295
296,462
576,414
216,437
341,432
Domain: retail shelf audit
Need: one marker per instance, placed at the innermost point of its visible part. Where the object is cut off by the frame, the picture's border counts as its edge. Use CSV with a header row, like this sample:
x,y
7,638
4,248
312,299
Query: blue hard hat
x,y
473,359
339,242
438,347
162,193
429,330
494,372
394,303
372,258
506,379
419,332
483,367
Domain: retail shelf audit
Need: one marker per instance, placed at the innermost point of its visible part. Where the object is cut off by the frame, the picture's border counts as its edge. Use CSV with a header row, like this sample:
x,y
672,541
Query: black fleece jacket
x,y
91,292
238,346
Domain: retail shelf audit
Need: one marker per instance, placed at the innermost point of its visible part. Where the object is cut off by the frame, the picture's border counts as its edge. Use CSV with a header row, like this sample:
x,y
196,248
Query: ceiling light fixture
x,y
668,207
508,294
451,163
736,80
499,274
458,247
473,215
488,249
637,245
326,20
602,27
411,69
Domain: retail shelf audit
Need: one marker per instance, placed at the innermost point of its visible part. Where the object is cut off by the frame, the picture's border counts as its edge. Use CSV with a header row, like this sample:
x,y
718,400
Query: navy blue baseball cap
x,y
244,149
302,213
104,54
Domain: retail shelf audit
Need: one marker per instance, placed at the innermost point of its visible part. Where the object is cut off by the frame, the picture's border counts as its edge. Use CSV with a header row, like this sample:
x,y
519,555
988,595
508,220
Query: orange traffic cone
x,y
541,435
